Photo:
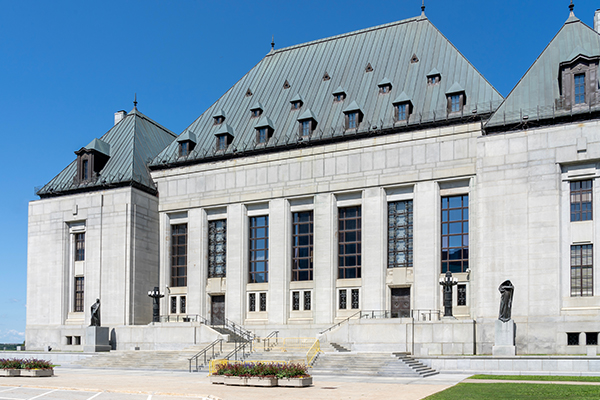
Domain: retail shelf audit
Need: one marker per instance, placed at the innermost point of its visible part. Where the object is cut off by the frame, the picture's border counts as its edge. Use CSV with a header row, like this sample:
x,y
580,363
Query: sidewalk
x,y
132,384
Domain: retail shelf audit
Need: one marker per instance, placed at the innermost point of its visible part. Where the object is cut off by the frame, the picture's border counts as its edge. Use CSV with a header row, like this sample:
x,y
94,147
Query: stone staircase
x,y
417,366
175,360
363,364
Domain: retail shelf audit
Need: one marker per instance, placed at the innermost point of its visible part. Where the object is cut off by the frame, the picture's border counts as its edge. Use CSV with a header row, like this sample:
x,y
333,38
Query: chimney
x,y
597,21
120,115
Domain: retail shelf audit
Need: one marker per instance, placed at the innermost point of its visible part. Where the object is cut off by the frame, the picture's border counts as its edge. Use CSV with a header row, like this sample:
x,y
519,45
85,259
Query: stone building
x,y
340,178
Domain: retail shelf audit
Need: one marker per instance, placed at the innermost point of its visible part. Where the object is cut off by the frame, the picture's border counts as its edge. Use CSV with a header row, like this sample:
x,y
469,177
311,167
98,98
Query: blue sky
x,y
67,66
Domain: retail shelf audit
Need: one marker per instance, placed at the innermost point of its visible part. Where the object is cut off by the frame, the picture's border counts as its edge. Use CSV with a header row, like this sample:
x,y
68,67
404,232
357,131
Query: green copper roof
x,y
339,90
308,114
388,49
296,98
224,128
402,98
455,88
100,146
537,96
351,107
133,142
263,122
187,135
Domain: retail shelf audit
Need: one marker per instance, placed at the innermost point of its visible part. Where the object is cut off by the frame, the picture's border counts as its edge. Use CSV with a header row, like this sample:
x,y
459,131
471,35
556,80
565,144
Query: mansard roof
x,y
132,143
537,96
388,49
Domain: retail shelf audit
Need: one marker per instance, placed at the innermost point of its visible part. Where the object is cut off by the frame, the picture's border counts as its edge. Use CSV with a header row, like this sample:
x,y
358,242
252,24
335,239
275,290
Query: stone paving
x,y
110,384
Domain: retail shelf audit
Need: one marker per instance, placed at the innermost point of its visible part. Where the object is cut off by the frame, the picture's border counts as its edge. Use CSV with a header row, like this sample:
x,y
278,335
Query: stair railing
x,y
183,318
267,340
312,353
204,352
238,330
340,323
239,352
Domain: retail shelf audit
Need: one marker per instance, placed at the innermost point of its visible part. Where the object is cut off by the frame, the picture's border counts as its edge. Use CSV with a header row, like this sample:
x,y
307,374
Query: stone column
x,y
324,263
374,243
237,273
279,263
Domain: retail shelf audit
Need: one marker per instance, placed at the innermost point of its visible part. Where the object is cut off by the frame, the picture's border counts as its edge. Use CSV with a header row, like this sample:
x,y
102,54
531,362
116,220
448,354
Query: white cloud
x,y
11,336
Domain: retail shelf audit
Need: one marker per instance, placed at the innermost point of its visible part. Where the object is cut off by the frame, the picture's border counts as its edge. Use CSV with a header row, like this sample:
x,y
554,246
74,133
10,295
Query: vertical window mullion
x,y
455,233
259,256
302,246
179,255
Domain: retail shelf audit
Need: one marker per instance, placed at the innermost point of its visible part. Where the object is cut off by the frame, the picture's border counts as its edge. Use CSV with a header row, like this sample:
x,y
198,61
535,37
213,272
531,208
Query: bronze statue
x,y
506,289
447,284
96,313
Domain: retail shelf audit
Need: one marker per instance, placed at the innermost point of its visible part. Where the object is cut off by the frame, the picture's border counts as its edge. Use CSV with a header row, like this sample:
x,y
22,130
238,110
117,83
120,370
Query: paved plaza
x,y
105,384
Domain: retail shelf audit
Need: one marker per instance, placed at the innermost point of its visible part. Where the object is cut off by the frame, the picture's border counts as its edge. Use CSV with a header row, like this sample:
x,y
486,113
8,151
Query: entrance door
x,y
217,310
400,302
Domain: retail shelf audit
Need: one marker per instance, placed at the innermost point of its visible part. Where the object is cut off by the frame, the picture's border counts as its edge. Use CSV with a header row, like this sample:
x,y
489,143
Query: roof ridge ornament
x,y
423,8
571,7
135,101
272,43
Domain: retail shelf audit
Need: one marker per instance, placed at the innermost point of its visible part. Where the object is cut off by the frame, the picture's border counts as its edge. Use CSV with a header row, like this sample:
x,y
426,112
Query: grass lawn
x,y
501,391
538,378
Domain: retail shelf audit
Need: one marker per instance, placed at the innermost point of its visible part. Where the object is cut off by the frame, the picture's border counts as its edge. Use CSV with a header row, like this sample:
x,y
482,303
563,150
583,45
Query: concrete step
x,y
420,368
362,364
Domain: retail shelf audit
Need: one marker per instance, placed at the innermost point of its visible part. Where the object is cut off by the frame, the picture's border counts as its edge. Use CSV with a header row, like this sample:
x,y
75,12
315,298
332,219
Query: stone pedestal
x,y
505,339
96,339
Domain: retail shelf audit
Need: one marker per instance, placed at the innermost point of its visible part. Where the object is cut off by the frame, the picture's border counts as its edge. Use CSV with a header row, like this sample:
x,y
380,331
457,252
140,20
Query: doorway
x,y
217,310
400,302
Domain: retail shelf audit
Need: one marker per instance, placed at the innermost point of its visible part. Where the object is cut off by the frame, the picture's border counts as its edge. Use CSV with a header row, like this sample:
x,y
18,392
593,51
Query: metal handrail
x,y
204,352
241,347
341,322
183,318
237,329
267,340
311,354
425,315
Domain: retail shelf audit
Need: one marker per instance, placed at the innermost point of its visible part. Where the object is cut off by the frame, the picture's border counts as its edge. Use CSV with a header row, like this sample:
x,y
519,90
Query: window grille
x,y
295,301
252,302
400,234
263,301
307,304
342,299
455,233
178,255
79,281
80,246
581,200
217,248
582,282
355,302
349,241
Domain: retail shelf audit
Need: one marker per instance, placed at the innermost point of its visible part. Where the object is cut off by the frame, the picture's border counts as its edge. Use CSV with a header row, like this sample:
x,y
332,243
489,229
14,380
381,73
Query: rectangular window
x,y
582,283
85,170
591,338
178,255
217,248
295,301
306,128
80,246
349,242
581,200
342,299
461,293
251,302
579,88
400,234
222,142
307,298
69,340
182,308
352,120
455,104
173,304
302,246
78,306
355,299
183,149
261,135
259,249
455,233
401,112
77,340
572,338
262,301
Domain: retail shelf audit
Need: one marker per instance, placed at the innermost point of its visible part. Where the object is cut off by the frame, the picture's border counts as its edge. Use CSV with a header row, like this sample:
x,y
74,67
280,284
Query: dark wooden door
x,y
400,302
217,310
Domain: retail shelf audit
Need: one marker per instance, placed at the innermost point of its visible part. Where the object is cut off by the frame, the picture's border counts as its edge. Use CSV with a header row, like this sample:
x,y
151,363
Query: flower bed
x,y
25,367
262,374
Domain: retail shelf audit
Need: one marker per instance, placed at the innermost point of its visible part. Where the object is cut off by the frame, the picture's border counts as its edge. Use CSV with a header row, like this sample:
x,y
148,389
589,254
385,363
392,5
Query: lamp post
x,y
447,282
156,295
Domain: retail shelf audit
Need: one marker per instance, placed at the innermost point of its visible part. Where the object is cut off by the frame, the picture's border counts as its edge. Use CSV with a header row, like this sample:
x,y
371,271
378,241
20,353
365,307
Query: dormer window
x,y
339,95
579,84
307,124
262,135
187,143
91,159
219,117
296,102
577,80
456,98
434,77
401,111
224,137
256,110
385,86
264,130
353,116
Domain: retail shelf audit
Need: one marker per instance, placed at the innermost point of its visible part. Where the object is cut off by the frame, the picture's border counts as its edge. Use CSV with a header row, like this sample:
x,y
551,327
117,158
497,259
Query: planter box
x,y
37,372
10,372
261,381
235,381
295,382
217,379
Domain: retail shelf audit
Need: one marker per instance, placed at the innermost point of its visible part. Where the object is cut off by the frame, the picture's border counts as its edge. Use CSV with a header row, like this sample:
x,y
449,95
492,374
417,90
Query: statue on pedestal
x,y
506,289
95,313
447,284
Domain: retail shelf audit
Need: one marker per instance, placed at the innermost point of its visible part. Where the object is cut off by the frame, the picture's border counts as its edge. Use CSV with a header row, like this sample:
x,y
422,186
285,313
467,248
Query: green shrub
x,y
265,370
11,363
18,363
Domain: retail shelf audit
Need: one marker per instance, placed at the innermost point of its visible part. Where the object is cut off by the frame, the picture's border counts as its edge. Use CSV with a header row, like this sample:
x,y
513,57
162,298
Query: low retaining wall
x,y
517,365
